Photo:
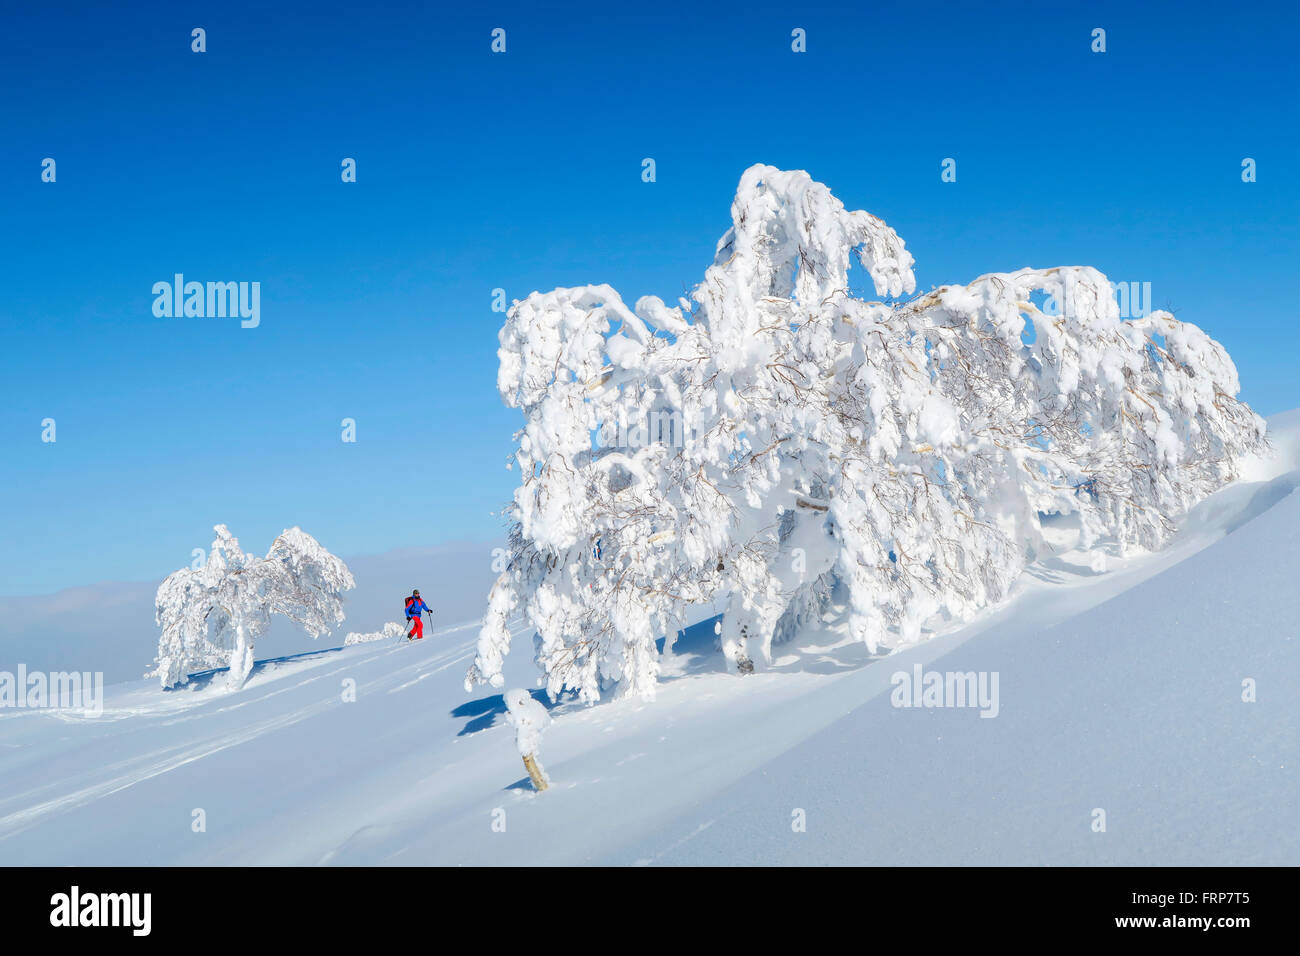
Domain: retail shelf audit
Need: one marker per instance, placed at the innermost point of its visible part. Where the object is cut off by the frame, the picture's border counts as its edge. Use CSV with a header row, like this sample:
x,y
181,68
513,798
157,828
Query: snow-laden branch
x,y
795,439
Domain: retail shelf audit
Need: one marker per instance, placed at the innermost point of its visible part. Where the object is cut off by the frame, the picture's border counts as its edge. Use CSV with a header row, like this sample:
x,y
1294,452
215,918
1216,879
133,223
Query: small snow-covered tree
x,y
212,616
530,720
780,437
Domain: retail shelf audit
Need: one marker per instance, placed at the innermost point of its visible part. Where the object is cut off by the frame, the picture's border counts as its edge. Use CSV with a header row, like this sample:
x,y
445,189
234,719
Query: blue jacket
x,y
416,608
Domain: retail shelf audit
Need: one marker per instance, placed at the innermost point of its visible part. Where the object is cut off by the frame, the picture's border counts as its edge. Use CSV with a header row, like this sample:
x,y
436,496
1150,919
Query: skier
x,y
415,607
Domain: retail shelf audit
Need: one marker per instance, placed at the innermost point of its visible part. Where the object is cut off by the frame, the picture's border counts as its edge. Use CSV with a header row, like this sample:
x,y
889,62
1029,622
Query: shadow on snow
x,y
202,679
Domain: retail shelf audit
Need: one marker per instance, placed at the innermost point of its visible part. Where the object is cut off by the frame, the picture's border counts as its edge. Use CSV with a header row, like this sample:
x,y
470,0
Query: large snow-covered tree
x,y
211,616
779,437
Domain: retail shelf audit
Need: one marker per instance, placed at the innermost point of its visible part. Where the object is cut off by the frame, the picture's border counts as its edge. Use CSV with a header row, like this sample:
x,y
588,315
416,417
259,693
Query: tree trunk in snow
x,y
241,659
536,773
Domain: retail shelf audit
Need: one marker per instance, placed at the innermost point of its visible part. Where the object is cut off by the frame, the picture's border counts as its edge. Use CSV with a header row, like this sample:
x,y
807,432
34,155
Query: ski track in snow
x,y
137,769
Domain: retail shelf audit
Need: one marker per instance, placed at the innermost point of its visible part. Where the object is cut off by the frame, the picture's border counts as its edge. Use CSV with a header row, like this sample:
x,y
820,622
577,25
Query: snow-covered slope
x,y
1135,707
1119,690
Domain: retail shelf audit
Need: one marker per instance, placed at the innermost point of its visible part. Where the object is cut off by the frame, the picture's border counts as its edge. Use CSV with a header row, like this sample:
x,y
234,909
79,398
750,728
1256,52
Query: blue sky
x,y
523,171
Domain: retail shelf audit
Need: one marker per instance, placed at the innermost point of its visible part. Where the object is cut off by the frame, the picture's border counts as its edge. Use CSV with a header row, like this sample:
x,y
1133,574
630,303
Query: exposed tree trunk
x,y
536,773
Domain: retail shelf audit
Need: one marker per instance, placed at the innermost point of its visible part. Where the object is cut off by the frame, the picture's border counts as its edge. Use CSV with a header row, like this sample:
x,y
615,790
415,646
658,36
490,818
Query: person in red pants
x,y
415,608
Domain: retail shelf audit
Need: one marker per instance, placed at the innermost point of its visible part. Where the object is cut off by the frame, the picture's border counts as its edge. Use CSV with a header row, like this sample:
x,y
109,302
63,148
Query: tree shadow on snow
x,y
815,649
1056,570
486,710
818,649
200,680
697,641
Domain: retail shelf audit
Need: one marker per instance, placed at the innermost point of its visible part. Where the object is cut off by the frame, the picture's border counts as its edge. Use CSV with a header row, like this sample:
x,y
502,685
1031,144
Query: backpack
x,y
409,601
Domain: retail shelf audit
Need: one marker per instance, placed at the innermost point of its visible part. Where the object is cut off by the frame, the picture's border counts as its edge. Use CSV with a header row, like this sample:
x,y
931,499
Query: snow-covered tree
x,y
212,616
779,437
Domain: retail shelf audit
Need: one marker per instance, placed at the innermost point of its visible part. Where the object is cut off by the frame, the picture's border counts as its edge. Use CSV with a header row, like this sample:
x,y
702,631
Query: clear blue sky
x,y
522,171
